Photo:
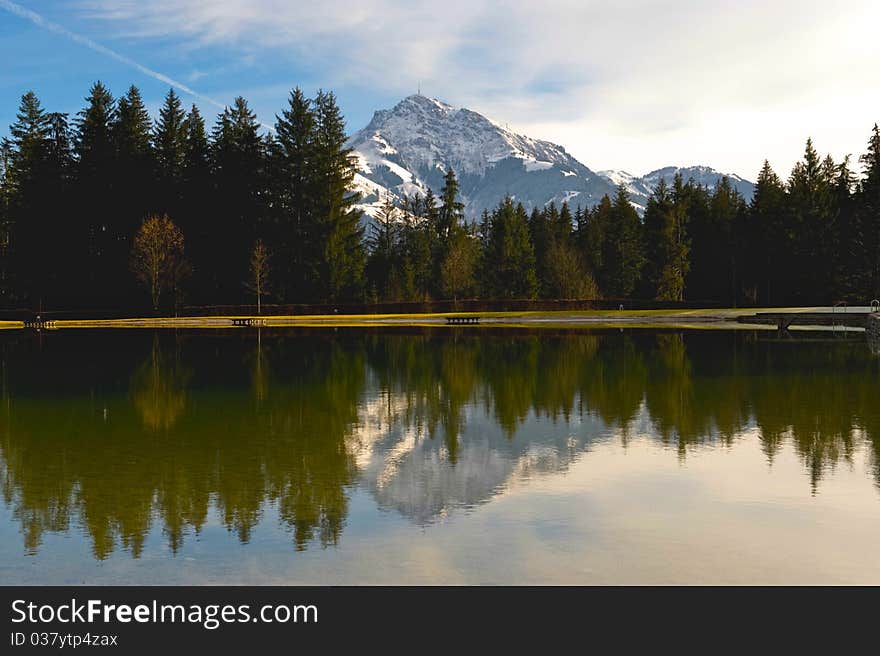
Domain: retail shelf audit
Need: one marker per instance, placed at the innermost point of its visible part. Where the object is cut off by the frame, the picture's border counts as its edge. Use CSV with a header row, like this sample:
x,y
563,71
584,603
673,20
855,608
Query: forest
x,y
112,210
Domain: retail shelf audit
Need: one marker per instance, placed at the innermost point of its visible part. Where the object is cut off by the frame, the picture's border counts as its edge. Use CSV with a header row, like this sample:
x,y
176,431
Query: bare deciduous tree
x,y
157,256
259,270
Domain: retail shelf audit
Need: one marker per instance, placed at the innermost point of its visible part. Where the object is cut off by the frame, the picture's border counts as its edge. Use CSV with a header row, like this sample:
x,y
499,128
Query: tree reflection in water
x,y
110,433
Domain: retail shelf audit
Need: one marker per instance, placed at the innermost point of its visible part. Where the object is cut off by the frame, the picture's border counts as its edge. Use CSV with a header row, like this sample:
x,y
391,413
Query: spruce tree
x,y
56,261
767,255
295,225
239,165
6,223
197,209
98,277
623,256
842,230
727,210
868,216
134,189
133,128
342,266
564,224
593,242
170,148
809,200
562,269
710,220
667,245
418,245
451,211
29,168
509,257
382,262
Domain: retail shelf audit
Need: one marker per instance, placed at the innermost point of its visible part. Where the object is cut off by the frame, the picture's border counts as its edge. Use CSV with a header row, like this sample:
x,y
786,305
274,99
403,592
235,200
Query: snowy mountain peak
x,y
426,134
408,149
704,175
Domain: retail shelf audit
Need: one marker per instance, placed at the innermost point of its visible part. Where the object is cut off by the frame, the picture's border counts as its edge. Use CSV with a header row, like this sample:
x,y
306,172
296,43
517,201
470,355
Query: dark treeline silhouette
x,y
172,428
75,194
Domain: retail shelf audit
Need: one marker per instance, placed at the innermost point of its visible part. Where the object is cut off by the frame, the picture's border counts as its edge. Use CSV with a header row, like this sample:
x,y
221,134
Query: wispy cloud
x,y
629,84
46,24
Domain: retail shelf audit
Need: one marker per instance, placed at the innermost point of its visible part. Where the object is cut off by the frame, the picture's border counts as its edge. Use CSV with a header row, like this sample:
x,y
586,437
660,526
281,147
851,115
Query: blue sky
x,y
61,70
631,85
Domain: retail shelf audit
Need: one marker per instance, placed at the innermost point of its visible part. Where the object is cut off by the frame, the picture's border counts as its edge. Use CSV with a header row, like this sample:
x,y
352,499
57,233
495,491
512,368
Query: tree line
x,y
92,206
814,238
111,209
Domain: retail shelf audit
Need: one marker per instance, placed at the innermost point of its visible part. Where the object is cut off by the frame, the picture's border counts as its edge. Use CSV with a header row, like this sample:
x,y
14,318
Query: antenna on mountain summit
x,y
420,88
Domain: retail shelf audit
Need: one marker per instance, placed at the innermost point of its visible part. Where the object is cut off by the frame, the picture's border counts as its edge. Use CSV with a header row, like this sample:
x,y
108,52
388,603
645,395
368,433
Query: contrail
x,y
38,20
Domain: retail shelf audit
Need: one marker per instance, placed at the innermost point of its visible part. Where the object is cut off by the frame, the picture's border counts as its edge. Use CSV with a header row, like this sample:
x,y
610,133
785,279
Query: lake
x,y
438,456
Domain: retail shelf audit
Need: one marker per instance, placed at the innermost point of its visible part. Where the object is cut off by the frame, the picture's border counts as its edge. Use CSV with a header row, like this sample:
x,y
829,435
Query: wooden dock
x,y
782,320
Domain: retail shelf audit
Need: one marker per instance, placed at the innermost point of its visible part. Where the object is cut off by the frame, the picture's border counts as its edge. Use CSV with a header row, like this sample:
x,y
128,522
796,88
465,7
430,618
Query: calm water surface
x,y
436,456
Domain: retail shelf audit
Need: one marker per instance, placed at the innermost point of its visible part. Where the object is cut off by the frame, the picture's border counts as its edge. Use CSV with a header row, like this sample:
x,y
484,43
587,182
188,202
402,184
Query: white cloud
x,y
625,84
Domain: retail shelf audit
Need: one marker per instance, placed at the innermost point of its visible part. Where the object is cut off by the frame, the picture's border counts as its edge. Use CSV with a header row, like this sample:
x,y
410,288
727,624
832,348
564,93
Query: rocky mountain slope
x,y
408,149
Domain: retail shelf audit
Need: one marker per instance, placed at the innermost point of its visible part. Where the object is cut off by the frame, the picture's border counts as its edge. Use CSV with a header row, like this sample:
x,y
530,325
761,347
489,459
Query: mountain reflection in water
x,y
110,434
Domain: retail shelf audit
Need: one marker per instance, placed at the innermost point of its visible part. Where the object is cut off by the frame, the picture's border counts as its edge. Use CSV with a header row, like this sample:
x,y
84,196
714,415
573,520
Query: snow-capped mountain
x,y
640,188
408,149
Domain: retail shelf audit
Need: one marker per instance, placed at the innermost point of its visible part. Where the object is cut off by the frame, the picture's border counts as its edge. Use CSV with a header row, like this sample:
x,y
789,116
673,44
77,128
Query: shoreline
x,y
726,318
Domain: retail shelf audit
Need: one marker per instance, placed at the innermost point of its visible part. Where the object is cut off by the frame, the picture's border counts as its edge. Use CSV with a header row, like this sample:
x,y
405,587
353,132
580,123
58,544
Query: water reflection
x,y
110,434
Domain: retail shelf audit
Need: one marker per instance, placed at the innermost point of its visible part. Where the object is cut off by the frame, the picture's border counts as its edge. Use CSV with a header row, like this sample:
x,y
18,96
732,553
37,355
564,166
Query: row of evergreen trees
x,y
812,239
73,194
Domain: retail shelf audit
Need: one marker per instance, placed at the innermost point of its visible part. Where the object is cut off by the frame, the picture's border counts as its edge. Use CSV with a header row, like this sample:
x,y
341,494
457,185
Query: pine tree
x,y
196,157
714,217
6,223
561,267
239,165
197,209
767,255
509,259
562,228
667,246
343,257
95,176
132,130
868,216
56,258
727,209
809,199
844,276
295,224
418,247
29,170
170,148
450,214
593,235
623,256
382,242
542,226
134,189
